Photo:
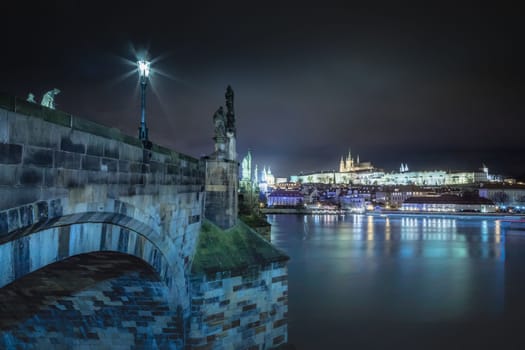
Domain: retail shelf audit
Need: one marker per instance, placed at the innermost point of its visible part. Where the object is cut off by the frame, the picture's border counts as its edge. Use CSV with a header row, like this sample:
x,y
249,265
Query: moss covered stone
x,y
254,220
235,249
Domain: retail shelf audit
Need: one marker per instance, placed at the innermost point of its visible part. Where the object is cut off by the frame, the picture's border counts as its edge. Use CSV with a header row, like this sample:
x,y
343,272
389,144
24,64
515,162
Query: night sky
x,y
431,86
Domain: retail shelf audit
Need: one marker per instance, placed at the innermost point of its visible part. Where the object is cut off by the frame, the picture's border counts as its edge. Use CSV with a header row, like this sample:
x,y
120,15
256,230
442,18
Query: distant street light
x,y
144,70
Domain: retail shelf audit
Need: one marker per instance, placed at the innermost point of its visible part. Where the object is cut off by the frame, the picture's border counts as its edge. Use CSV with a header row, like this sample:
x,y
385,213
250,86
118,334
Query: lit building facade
x,y
448,203
510,196
285,198
377,177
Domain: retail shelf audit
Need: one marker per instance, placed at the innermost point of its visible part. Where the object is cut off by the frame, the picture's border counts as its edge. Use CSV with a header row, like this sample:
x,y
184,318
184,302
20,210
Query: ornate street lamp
x,y
144,70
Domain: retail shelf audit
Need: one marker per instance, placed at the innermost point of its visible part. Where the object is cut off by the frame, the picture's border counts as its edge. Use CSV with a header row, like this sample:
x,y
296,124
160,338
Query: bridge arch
x,y
44,243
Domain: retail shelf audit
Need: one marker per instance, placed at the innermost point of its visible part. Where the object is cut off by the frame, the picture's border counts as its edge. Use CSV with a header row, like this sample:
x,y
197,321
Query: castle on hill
x,y
348,164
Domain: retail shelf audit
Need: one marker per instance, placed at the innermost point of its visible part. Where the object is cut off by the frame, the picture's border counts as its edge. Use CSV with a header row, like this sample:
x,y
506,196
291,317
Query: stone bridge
x,y
69,186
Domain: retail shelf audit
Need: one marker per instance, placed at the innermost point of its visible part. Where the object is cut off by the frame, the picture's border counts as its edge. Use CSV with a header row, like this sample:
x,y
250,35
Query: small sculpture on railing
x,y
48,100
31,98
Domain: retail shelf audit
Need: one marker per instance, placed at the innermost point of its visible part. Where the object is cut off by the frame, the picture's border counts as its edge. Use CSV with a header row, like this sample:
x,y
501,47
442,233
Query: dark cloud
x,y
434,86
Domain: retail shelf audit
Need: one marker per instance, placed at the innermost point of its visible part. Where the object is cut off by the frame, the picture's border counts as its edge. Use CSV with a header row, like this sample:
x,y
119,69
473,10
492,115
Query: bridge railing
x,y
18,105
21,106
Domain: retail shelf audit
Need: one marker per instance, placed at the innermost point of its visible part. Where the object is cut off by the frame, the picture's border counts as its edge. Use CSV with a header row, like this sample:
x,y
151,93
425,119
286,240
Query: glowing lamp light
x,y
144,68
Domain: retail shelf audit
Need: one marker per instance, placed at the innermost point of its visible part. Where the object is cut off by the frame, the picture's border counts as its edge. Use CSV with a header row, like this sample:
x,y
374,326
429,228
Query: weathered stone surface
x,y
26,215
173,169
95,149
10,153
67,145
123,166
42,211
44,135
109,165
68,160
4,126
221,192
21,257
111,150
237,306
9,175
74,309
38,157
50,176
67,178
31,176
22,195
4,225
90,163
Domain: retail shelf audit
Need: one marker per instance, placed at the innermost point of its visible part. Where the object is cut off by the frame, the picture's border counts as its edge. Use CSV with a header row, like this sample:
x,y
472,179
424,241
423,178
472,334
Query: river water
x,y
376,282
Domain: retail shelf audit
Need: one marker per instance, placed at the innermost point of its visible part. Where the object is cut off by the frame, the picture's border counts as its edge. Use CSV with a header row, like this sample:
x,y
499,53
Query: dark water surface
x,y
372,282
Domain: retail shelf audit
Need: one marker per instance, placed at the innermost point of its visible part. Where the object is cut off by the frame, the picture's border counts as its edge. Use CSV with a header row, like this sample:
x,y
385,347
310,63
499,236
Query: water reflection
x,y
384,271
374,228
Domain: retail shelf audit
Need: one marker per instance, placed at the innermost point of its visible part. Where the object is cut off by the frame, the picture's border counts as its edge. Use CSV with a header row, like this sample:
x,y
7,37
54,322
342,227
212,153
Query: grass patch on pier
x,y
233,250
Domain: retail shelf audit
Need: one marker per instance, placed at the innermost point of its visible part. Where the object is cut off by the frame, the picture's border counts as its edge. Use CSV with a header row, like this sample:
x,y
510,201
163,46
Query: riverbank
x,y
387,213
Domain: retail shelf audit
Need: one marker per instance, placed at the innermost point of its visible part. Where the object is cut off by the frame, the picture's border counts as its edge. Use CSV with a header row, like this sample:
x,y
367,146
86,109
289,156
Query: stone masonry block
x,y
6,268
4,226
38,156
43,134
10,153
67,145
17,128
21,257
4,126
123,166
111,150
90,163
9,175
68,160
50,176
23,195
95,148
31,176
110,165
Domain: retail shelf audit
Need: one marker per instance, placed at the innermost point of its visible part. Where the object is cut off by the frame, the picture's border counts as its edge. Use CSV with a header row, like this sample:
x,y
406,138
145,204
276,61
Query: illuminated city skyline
x,y
431,86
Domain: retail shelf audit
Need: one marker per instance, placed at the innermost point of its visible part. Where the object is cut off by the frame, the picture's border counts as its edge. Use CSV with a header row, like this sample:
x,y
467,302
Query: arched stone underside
x,y
102,300
160,229
47,242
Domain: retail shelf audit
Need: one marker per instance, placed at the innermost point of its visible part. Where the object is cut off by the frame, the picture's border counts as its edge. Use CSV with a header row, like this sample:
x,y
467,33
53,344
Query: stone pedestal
x,y
221,192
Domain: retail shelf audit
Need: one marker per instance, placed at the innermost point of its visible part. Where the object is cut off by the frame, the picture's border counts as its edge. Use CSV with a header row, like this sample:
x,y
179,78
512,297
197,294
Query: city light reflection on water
x,y
394,274
377,228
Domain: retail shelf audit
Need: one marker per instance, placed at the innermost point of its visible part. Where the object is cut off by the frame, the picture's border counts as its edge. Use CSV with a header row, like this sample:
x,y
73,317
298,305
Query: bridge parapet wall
x,y
47,154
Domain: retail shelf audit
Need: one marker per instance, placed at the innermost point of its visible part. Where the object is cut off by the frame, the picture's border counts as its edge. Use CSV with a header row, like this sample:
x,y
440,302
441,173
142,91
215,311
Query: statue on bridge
x,y
31,98
225,132
48,100
219,122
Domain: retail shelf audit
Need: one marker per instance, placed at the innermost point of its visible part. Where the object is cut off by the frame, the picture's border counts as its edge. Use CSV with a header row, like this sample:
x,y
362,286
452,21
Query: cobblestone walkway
x,y
91,301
